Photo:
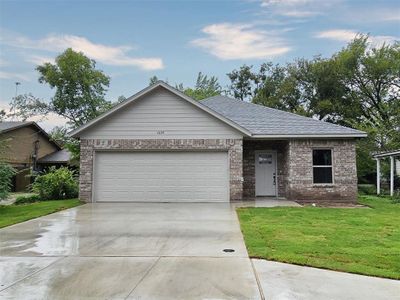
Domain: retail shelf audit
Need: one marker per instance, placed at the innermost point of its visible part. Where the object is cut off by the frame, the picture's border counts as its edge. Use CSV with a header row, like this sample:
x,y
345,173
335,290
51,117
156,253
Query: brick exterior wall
x,y
249,175
232,146
294,165
300,185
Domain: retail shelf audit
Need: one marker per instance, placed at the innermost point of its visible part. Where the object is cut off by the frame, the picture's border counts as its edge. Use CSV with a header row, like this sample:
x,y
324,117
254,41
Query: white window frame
x,y
322,166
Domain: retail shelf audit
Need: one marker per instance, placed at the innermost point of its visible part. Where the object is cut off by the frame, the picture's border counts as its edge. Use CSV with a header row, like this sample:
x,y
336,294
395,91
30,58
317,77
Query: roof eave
x,y
29,123
386,154
289,136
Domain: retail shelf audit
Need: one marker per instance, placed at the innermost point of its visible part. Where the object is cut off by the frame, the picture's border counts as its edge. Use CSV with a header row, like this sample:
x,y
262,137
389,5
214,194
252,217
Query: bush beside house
x,y
30,198
6,174
56,184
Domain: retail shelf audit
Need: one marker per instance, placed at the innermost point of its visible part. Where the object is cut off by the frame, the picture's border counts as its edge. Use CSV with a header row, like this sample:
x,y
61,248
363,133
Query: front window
x,y
322,166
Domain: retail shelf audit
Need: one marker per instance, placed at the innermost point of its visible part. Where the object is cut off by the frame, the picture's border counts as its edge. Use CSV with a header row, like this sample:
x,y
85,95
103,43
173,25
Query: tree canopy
x,y
204,87
79,90
359,86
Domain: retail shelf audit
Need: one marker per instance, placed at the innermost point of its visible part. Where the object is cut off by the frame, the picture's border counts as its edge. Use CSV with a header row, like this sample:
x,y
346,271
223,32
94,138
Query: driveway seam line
x,y
260,289
34,273
144,276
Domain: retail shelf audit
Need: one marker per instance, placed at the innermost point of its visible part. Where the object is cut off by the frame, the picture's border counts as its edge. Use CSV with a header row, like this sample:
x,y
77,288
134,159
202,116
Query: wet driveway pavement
x,y
158,251
128,251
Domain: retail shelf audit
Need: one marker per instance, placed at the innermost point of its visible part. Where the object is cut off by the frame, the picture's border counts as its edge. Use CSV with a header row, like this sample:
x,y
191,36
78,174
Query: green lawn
x,y
356,240
12,214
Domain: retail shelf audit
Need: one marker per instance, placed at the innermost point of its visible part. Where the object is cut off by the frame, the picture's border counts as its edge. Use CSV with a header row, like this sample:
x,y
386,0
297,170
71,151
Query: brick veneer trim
x,y
234,147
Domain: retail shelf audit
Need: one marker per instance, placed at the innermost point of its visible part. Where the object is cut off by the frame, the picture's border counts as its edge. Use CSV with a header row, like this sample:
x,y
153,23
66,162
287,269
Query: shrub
x,y
366,189
56,184
27,199
6,174
396,197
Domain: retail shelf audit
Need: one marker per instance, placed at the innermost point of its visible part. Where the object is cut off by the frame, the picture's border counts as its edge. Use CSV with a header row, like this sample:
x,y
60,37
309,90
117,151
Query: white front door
x,y
265,166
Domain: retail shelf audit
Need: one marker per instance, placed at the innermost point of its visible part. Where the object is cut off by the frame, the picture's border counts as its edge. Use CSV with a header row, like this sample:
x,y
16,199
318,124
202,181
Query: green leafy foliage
x,y
245,84
153,80
6,174
359,87
60,135
3,115
205,87
27,199
56,184
366,189
79,90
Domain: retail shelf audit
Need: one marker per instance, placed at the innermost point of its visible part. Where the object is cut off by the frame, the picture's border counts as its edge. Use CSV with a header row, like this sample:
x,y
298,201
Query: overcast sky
x,y
134,40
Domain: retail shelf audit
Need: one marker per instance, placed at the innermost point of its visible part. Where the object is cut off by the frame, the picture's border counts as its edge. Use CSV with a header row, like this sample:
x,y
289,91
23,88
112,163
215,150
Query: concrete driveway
x,y
128,251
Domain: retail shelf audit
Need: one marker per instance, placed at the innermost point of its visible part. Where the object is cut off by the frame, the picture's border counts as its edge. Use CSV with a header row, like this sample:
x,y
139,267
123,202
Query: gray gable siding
x,y
261,120
160,114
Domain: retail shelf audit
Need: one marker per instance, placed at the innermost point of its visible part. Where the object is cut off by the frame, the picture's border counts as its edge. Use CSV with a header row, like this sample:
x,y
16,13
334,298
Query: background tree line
x,y
358,86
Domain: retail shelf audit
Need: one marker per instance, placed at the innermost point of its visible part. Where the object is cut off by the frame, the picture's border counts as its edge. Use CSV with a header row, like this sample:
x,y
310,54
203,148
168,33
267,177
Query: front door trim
x,y
275,155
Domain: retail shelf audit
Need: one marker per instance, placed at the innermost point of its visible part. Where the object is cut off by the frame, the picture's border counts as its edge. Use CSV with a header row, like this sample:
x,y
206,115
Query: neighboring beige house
x,y
161,145
26,143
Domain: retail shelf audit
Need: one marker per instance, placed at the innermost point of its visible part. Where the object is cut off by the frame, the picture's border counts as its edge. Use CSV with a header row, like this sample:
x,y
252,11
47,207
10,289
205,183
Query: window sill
x,y
323,185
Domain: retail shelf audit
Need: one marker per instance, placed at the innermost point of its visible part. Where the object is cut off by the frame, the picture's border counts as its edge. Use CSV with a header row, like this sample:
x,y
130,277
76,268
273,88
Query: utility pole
x,y
15,98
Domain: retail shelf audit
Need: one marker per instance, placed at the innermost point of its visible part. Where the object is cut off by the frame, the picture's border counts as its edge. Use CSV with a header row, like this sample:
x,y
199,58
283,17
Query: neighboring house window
x,y
322,166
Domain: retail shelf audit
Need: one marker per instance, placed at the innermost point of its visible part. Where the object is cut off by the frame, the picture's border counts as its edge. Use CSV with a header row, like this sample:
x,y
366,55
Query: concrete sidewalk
x,y
281,281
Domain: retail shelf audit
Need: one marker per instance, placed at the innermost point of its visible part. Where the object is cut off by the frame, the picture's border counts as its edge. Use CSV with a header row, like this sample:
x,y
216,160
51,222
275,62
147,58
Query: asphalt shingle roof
x,y
62,156
4,126
261,120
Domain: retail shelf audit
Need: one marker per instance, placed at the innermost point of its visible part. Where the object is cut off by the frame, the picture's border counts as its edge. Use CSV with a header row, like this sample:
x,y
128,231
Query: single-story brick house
x,y
161,145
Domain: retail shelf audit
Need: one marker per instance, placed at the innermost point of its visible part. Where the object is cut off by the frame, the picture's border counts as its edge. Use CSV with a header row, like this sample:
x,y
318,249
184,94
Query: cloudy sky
x,y
134,40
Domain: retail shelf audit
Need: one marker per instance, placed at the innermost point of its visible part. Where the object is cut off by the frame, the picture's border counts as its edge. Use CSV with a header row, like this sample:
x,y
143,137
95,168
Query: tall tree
x,y
372,80
280,89
204,87
59,134
245,83
153,80
3,115
359,86
79,90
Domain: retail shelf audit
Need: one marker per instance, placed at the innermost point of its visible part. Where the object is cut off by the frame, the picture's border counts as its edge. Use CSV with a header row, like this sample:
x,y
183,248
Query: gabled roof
x,y
13,125
62,156
8,126
75,133
265,122
252,120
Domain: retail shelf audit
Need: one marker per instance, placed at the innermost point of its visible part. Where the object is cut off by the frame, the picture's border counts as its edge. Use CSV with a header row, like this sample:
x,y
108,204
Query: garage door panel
x,y
161,176
159,180
174,196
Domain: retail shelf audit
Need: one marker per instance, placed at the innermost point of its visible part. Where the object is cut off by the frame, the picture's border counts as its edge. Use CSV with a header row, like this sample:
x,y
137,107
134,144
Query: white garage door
x,y
161,176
